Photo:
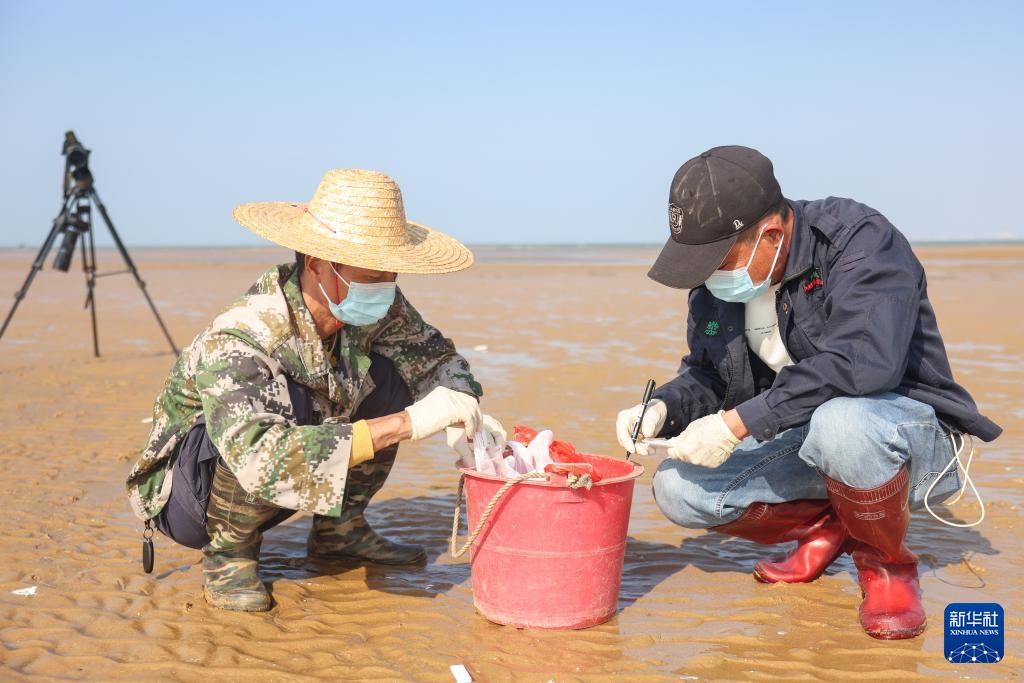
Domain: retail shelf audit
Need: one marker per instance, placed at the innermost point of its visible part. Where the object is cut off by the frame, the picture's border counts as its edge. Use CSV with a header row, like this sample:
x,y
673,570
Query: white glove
x,y
442,408
707,442
493,431
654,420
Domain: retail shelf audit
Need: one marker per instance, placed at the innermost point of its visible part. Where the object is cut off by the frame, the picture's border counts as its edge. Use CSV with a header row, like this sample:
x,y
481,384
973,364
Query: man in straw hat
x,y
297,395
816,403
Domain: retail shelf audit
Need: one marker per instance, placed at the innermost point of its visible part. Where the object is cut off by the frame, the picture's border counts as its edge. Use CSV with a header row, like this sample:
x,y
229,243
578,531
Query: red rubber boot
x,y
877,520
819,534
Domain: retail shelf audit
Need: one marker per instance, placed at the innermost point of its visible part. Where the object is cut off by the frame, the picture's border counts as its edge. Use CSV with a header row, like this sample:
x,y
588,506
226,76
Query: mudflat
x,y
561,338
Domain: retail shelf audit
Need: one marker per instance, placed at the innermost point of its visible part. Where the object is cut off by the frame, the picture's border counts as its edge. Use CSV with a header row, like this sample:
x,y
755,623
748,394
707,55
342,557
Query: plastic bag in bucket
x,y
549,556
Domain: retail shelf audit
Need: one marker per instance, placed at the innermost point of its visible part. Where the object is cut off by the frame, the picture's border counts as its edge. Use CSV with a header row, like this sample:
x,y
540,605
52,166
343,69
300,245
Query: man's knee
x,y
841,430
861,441
680,498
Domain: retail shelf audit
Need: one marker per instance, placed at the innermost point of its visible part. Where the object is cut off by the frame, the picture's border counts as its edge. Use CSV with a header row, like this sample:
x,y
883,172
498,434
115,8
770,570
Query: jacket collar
x,y
308,342
305,327
801,251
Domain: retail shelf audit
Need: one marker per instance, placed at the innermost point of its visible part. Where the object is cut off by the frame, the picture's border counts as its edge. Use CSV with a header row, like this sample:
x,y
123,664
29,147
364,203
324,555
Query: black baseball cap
x,y
714,198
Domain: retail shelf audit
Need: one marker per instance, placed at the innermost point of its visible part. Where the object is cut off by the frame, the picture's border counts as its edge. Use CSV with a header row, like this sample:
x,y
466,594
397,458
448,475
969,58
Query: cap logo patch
x,y
738,224
675,218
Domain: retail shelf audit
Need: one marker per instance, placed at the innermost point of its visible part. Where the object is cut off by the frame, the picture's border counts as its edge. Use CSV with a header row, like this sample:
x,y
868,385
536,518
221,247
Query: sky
x,y
549,123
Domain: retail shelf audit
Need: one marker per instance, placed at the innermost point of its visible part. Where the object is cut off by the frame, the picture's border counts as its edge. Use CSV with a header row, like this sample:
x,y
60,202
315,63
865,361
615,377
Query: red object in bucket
x,y
560,451
550,557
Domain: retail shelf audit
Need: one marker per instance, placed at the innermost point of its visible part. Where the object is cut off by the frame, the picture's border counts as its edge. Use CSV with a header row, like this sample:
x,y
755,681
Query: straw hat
x,y
357,218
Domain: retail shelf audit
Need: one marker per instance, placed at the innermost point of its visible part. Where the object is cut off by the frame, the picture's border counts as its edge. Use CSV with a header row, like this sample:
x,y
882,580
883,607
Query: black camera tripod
x,y
74,221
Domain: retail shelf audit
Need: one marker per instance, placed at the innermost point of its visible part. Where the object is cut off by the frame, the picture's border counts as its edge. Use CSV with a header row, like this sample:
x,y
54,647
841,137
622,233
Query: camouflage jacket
x,y
234,373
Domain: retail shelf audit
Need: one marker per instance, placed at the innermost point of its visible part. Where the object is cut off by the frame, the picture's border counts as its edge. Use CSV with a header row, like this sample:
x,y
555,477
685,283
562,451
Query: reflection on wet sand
x,y
566,348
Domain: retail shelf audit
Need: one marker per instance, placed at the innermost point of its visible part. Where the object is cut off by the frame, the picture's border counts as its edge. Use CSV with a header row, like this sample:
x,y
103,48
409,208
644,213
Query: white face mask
x,y
736,285
365,303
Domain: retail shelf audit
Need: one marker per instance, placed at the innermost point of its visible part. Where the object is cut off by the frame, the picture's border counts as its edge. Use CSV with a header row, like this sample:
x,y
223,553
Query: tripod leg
x,y
131,267
58,225
89,266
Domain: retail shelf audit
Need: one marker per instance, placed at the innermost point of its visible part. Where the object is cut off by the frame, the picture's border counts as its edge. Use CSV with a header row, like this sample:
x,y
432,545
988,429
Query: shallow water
x,y
567,347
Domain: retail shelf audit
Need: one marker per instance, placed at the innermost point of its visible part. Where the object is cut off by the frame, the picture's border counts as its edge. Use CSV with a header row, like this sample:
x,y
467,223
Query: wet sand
x,y
568,345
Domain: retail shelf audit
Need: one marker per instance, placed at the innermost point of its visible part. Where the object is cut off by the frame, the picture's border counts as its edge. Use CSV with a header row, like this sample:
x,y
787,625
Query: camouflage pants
x,y
364,480
236,520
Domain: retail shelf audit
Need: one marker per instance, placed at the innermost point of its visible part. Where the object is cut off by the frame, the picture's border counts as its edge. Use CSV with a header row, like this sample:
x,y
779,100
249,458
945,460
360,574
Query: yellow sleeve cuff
x,y
362,444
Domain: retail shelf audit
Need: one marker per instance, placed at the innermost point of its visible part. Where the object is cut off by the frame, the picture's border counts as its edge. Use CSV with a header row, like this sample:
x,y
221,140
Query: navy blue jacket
x,y
855,318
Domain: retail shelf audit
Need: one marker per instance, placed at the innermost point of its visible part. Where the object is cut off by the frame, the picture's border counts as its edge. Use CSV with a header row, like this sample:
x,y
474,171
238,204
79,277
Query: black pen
x,y
648,392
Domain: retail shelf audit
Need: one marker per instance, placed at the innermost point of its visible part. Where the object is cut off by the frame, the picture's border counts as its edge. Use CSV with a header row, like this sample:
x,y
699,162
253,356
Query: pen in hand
x,y
648,391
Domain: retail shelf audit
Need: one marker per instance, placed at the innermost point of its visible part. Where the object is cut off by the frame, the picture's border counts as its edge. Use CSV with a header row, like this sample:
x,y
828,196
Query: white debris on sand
x,y
461,674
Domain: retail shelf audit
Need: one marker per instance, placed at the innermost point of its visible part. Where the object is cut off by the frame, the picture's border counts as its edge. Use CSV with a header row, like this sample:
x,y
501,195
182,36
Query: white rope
x,y
963,487
486,513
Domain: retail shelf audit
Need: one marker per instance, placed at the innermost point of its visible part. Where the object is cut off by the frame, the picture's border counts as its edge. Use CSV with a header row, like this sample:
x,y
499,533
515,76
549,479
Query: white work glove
x,y
442,408
654,420
707,442
460,443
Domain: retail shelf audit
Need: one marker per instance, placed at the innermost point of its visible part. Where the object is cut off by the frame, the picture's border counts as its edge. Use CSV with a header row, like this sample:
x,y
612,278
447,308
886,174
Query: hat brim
x,y
685,266
423,251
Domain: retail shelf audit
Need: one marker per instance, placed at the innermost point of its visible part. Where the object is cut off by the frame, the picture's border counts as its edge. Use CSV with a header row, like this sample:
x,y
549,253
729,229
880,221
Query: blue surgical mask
x,y
365,303
736,285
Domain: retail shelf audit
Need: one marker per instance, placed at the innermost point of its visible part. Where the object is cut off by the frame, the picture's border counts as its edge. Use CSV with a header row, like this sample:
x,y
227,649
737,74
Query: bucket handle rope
x,y
487,511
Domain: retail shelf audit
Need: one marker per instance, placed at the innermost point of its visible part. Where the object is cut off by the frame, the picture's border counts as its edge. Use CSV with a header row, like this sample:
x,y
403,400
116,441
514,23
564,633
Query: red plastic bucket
x,y
550,557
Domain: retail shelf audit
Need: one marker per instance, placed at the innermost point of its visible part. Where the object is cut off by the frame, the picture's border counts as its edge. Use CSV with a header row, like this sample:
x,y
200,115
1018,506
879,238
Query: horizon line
x,y
515,245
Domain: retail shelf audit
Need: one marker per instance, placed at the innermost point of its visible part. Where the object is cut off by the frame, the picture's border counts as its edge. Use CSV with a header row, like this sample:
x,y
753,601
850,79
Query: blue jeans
x,y
860,441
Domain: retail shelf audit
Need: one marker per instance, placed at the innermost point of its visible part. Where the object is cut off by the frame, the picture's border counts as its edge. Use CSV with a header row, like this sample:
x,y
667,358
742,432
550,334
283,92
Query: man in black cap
x,y
816,403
